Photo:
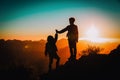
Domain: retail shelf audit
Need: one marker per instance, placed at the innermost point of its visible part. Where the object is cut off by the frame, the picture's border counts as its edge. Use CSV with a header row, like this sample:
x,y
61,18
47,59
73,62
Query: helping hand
x,y
56,31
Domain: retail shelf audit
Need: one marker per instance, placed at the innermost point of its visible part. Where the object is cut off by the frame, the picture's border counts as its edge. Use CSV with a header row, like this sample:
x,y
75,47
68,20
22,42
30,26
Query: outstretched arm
x,y
56,37
62,31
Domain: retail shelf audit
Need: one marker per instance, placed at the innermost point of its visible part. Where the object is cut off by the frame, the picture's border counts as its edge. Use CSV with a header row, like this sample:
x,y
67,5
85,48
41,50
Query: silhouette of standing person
x,y
51,50
72,37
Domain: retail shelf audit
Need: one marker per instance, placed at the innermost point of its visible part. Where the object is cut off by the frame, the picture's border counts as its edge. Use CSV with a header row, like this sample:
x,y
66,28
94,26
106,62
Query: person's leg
x,y
71,50
50,63
75,50
58,60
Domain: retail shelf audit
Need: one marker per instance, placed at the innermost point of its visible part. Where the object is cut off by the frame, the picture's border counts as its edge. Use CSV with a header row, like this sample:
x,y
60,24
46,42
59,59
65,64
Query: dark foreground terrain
x,y
91,67
24,60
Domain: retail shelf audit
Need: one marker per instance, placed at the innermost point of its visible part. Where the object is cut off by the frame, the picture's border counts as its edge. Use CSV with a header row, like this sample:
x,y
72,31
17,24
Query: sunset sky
x,y
36,19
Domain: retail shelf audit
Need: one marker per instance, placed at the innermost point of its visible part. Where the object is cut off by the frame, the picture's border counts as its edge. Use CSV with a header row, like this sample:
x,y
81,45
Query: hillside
x,y
25,60
92,67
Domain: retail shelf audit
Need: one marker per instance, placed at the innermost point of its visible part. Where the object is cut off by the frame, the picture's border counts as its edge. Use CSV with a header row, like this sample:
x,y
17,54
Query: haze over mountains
x,y
29,55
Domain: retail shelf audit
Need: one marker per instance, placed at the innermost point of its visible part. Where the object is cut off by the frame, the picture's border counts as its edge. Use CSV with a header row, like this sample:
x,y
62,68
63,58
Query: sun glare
x,y
93,35
92,32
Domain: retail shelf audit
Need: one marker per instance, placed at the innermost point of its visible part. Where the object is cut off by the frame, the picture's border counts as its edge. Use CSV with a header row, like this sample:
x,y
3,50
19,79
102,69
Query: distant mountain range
x,y
25,60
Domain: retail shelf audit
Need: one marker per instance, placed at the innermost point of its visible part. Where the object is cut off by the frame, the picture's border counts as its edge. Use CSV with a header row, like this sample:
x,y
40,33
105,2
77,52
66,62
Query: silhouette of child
x,y
51,50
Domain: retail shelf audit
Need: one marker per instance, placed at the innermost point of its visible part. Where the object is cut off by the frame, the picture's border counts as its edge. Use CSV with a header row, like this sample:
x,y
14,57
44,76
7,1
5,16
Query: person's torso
x,y
72,32
51,47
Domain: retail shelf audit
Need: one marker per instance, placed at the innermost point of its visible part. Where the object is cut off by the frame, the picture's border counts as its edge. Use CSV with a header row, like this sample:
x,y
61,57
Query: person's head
x,y
50,38
71,20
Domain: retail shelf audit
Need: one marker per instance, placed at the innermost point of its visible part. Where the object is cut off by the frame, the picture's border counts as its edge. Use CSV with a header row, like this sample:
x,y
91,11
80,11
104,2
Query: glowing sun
x,y
93,35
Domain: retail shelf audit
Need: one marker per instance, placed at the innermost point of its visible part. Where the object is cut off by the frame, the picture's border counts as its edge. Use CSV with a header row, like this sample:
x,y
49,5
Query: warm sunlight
x,y
93,35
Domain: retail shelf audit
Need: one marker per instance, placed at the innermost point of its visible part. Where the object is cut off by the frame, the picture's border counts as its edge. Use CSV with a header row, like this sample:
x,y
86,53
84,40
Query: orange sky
x,y
37,20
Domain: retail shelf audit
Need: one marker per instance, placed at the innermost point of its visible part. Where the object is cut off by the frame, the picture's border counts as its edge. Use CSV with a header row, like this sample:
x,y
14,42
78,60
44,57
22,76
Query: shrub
x,y
92,50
